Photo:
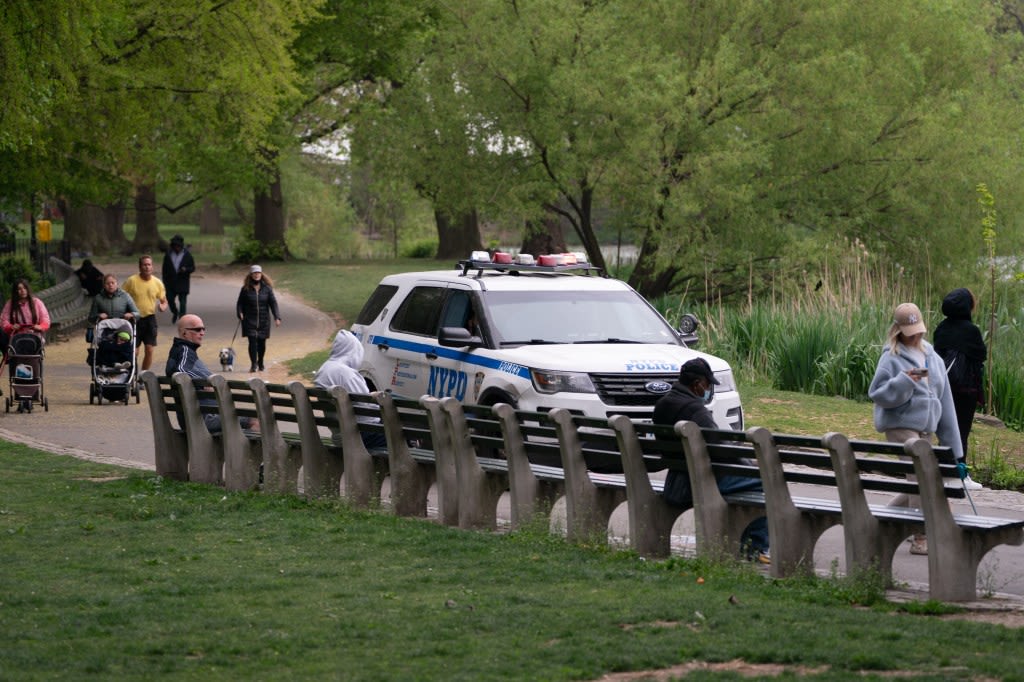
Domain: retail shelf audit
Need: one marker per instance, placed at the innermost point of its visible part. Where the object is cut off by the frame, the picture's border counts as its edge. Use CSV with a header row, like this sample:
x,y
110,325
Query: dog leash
x,y
233,336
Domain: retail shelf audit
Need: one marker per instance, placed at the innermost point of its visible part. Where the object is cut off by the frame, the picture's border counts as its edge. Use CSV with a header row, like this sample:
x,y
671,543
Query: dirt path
x,y
123,434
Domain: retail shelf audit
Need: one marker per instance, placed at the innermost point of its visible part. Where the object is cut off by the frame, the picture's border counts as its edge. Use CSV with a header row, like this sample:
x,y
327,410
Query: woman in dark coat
x,y
256,307
958,340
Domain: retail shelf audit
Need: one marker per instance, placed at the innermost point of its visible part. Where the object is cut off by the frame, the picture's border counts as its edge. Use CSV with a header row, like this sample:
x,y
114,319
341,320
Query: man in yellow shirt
x,y
149,293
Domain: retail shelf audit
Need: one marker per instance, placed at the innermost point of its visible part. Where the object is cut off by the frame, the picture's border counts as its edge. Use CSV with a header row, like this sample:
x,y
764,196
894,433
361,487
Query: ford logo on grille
x,y
657,387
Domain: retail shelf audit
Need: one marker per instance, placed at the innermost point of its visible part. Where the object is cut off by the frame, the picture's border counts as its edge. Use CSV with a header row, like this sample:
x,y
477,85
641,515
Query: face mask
x,y
707,396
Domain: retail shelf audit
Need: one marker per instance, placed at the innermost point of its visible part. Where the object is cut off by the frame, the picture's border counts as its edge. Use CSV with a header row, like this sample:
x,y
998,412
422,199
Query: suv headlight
x,y
726,382
561,382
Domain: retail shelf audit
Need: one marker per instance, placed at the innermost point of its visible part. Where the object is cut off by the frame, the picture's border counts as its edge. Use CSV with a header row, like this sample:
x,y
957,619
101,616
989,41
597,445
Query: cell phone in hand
x,y
919,371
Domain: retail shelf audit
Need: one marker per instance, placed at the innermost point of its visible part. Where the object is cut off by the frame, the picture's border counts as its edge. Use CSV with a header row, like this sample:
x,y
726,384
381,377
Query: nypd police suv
x,y
535,333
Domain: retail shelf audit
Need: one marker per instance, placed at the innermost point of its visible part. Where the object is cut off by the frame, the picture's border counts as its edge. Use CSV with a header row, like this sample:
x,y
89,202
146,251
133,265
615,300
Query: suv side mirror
x,y
457,337
688,329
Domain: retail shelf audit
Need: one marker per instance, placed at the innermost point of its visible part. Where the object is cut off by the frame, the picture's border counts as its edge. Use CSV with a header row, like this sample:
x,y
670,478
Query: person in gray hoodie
x,y
342,369
912,396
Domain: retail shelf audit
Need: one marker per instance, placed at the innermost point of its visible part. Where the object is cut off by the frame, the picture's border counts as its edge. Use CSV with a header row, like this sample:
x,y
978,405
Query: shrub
x,y
423,248
13,268
249,250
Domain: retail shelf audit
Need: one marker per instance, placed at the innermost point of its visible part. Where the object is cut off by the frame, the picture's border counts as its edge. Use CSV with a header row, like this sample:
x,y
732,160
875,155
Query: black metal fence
x,y
40,255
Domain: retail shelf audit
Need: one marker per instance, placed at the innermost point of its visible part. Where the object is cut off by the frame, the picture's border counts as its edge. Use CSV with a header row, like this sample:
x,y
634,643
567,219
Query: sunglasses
x,y
195,329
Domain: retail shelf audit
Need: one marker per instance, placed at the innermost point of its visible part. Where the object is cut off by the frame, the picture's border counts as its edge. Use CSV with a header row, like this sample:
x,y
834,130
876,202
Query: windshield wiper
x,y
531,342
612,340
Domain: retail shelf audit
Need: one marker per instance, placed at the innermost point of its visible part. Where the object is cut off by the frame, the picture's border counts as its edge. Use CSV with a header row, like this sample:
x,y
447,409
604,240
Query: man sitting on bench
x,y
687,401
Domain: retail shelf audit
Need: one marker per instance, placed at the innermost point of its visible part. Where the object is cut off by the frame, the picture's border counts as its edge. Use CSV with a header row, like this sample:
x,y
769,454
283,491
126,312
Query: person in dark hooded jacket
x,y
342,369
960,344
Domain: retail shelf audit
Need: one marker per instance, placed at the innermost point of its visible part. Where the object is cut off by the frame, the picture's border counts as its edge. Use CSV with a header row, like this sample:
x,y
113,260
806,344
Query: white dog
x,y
227,360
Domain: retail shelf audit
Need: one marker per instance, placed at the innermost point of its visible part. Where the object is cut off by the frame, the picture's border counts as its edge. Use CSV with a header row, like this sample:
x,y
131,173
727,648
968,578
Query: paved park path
x,y
123,434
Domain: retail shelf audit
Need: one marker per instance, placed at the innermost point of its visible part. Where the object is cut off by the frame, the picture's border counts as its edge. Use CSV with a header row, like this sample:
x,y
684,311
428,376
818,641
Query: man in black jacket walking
x,y
177,276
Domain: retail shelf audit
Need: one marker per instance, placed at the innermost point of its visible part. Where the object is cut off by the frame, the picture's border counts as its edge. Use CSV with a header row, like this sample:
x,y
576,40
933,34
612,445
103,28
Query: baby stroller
x,y
25,363
112,358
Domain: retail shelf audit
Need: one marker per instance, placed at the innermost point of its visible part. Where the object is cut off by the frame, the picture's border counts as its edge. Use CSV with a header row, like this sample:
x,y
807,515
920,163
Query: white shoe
x,y
971,484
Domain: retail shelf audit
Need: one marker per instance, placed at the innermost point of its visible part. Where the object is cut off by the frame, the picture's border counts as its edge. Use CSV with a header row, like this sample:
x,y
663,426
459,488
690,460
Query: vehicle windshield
x,y
520,317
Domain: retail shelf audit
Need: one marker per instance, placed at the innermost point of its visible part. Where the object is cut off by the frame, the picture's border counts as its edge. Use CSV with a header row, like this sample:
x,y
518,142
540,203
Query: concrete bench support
x,y
206,459
363,472
870,541
955,546
719,524
410,480
588,507
650,516
478,489
281,460
445,471
531,496
322,466
794,531
242,452
170,444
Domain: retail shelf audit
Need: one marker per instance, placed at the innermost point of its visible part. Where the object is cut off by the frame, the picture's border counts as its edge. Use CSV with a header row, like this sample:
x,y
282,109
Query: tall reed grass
x,y
825,335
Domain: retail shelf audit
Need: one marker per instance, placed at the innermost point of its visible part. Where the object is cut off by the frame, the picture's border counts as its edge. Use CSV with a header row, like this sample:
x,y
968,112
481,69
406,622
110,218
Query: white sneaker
x,y
971,484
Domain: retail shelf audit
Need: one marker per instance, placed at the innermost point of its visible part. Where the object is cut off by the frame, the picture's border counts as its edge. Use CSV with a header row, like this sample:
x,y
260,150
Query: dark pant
x,y
257,349
965,404
177,302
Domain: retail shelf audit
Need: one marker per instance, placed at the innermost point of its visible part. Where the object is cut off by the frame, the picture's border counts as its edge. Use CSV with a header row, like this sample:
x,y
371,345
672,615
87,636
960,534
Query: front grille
x,y
627,390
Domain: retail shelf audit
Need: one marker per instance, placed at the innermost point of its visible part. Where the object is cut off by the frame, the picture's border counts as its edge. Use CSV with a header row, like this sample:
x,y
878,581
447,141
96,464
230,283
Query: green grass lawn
x,y
111,574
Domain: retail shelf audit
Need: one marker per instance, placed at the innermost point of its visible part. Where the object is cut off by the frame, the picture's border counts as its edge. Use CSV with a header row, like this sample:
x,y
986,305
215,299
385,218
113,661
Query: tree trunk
x,y
580,214
457,238
147,235
94,229
210,221
268,210
544,236
646,278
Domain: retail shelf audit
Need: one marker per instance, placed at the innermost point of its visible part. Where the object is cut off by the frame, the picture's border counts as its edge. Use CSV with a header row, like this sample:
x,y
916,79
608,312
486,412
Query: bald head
x,y
190,328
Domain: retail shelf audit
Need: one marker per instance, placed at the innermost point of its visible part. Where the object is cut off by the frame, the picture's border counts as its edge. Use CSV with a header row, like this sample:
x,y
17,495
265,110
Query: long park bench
x,y
68,306
595,465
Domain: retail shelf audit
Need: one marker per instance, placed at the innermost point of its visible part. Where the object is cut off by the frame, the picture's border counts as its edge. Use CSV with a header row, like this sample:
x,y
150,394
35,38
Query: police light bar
x,y
524,262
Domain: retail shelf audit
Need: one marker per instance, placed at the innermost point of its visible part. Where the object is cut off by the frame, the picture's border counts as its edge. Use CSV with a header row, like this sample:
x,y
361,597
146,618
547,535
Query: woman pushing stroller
x,y
23,312
24,321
